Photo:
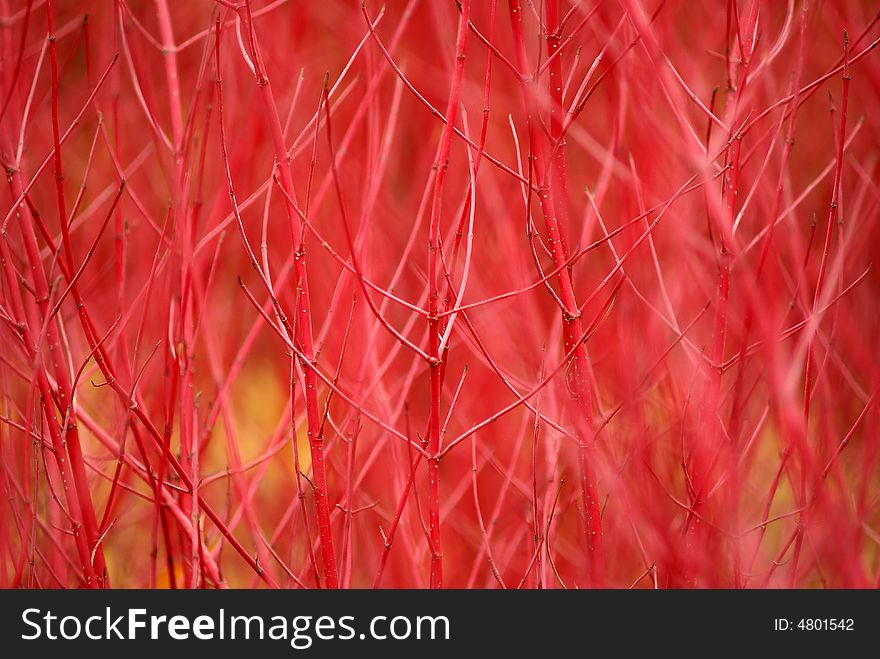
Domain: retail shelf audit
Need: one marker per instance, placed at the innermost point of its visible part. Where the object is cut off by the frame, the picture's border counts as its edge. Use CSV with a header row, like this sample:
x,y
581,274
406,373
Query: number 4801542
x,y
825,624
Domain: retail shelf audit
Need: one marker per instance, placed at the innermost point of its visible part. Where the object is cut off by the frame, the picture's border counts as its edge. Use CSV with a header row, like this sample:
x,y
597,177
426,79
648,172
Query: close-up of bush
x,y
543,294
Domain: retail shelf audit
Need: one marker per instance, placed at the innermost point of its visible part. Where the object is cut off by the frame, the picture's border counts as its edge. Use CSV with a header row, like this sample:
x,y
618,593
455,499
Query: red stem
x,y
580,379
303,311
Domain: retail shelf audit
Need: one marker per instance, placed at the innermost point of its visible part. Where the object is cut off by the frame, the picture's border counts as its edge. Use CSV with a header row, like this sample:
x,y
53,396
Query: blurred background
x,y
304,182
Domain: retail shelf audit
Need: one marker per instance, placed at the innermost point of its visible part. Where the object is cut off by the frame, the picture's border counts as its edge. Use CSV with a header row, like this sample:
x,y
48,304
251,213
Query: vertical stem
x,y
558,177
169,52
571,314
434,329
65,394
183,333
303,310
705,448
